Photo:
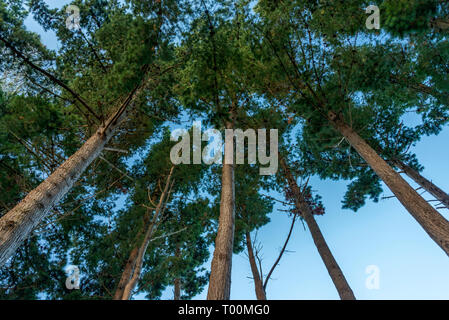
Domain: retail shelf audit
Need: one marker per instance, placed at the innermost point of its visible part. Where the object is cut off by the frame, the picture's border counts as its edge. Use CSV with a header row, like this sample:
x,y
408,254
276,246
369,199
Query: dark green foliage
x,y
405,16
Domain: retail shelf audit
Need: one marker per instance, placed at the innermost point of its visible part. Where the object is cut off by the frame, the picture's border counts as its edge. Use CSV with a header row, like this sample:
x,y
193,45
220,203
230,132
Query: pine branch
x,y
49,76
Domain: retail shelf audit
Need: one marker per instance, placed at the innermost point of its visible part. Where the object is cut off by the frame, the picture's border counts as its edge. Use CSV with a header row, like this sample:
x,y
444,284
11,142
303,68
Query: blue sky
x,y
383,234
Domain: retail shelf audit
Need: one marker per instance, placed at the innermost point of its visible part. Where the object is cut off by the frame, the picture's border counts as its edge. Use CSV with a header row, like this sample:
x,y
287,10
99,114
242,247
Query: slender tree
x,y
340,282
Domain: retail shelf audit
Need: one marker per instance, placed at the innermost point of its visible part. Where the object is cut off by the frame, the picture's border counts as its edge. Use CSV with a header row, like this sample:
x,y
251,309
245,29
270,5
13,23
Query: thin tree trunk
x,y
220,276
177,284
127,273
427,185
337,276
430,219
19,222
131,262
260,292
280,254
130,286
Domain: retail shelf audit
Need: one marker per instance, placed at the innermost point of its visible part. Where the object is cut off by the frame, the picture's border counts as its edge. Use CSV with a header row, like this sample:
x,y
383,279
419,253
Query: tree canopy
x,y
86,136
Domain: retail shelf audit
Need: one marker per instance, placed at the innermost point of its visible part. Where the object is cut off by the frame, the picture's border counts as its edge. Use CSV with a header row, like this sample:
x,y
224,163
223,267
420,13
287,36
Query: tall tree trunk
x,y
337,276
18,223
177,284
130,286
427,185
127,273
220,276
260,292
131,262
430,219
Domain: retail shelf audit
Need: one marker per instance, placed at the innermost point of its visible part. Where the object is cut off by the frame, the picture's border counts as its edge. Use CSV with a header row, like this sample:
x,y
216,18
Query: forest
x,y
158,149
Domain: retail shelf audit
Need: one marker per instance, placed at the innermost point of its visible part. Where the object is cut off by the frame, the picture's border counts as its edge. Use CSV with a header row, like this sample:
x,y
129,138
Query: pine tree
x,y
20,220
324,100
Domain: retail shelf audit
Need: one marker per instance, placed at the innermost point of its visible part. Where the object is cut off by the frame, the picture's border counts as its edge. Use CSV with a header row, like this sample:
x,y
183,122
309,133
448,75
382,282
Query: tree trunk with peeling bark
x,y
436,226
337,276
220,276
427,185
258,284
